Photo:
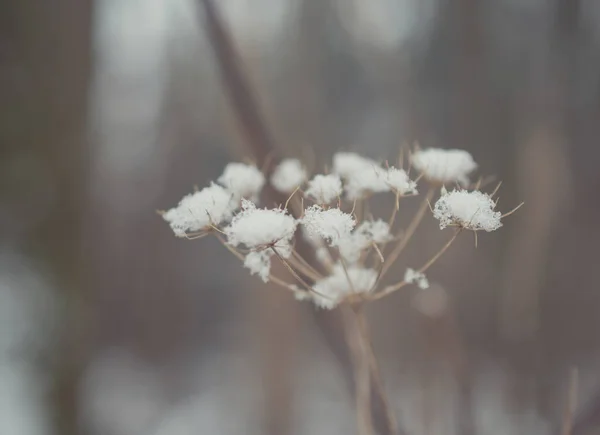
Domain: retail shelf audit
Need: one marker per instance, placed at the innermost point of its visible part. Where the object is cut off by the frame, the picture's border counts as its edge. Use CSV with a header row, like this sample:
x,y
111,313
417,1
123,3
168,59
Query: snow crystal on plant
x,y
470,210
198,210
444,166
245,181
259,228
332,289
259,263
331,224
324,188
288,175
415,277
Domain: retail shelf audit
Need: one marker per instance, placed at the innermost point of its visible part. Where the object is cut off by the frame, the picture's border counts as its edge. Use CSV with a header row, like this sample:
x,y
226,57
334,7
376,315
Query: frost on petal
x,y
367,233
324,188
259,263
331,224
198,210
444,166
288,175
412,276
244,181
470,210
259,228
332,289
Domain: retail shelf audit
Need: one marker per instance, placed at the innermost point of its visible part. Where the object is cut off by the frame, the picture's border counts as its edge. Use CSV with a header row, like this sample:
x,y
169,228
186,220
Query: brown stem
x,y
363,328
410,231
392,288
362,381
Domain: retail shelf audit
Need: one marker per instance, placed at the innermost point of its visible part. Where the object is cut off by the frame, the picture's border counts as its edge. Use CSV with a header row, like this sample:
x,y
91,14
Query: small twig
x,y
513,210
301,259
305,268
412,227
392,288
291,270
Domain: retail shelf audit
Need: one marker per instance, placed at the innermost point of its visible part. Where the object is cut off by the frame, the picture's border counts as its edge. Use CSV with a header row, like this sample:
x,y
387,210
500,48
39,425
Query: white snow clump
x,y
197,211
332,224
258,229
444,166
324,188
288,175
367,233
259,263
469,210
244,181
412,276
332,289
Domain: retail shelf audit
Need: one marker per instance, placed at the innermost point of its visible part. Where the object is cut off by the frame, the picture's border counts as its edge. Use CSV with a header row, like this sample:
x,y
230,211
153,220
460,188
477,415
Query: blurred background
x,y
112,109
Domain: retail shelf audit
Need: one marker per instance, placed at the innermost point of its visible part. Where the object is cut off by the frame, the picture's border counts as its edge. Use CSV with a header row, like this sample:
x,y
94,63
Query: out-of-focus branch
x,y
242,98
261,145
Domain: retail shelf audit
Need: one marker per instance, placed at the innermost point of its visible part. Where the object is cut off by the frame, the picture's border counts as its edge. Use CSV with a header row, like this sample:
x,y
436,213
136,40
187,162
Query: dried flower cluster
x,y
346,252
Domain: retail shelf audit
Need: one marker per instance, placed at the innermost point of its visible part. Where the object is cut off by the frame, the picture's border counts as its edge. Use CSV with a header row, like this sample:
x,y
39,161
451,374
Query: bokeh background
x,y
112,109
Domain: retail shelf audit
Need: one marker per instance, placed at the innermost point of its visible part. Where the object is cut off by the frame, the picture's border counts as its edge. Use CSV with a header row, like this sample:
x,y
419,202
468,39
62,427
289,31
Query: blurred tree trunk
x,y
45,67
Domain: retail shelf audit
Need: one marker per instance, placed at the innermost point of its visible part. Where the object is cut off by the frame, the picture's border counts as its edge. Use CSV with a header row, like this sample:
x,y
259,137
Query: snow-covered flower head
x,y
330,291
324,188
212,205
331,224
262,228
244,181
444,166
288,175
469,210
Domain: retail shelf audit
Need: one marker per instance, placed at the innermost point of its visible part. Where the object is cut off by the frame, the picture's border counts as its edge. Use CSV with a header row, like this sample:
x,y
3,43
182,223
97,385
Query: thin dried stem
x,y
395,211
392,288
379,253
315,272
363,329
291,270
272,278
513,210
303,267
290,197
496,189
345,267
410,231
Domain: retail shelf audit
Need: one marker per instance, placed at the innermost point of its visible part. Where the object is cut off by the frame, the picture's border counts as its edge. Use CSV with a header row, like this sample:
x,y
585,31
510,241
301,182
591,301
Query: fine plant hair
x,y
352,251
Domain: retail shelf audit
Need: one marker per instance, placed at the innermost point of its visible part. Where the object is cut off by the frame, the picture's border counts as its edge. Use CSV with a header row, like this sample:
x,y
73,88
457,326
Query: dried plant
x,y
352,251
